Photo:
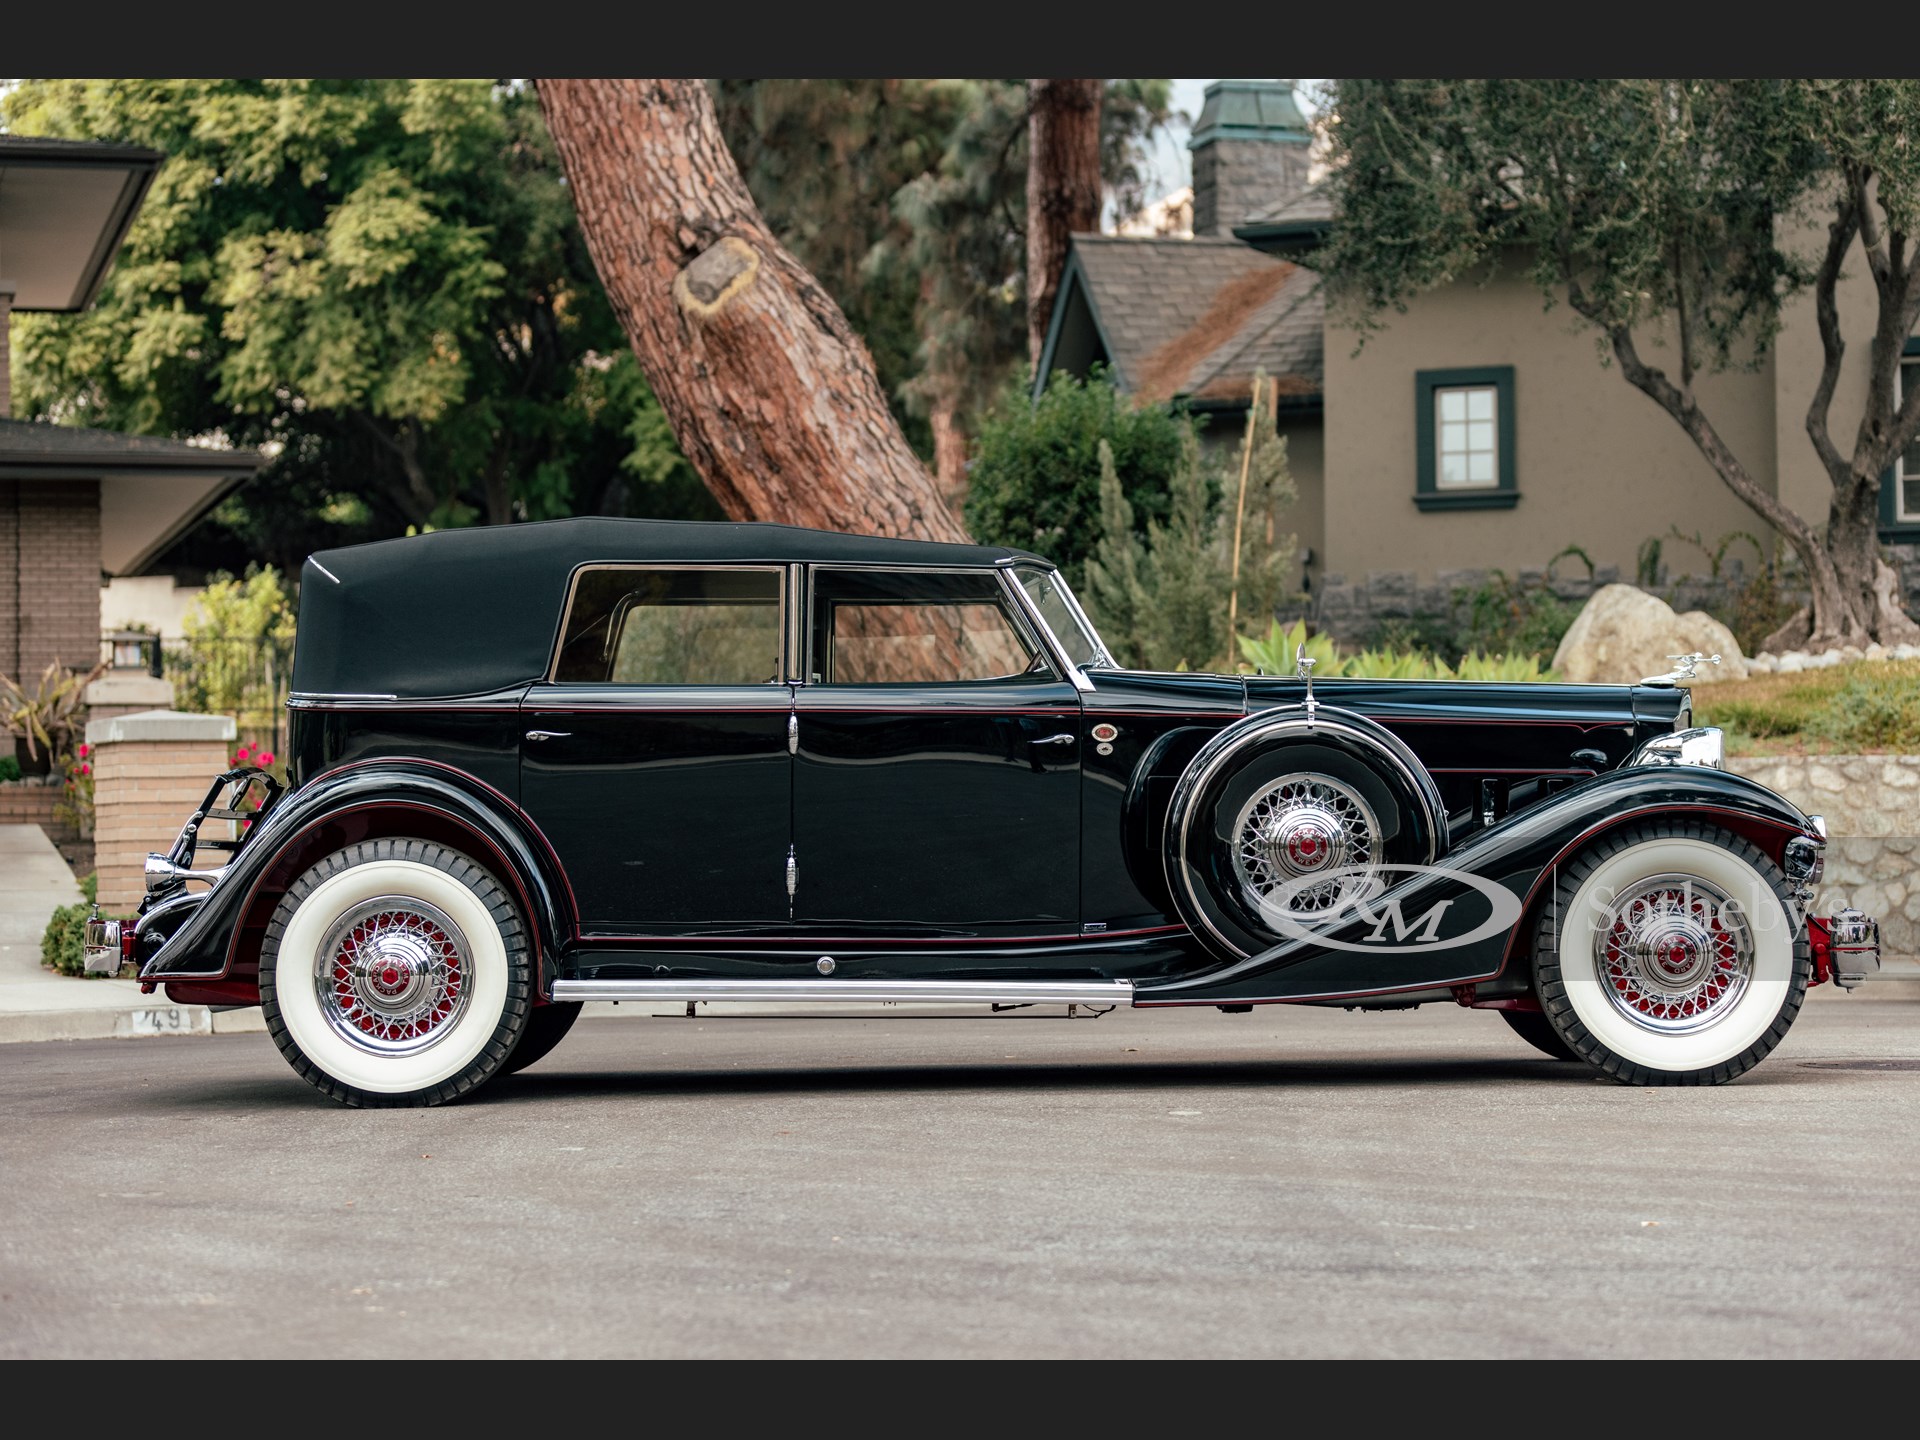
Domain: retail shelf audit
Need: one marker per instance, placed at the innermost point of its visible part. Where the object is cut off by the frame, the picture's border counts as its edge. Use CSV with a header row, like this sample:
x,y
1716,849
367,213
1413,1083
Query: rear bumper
x,y
1846,947
109,945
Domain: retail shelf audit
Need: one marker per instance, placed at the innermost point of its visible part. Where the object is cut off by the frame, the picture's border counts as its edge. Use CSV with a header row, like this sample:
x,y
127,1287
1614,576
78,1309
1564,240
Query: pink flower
x,y
85,769
85,750
266,757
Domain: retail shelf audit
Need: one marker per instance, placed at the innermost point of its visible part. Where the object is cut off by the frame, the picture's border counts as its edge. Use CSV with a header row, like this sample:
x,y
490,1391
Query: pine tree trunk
x,y
949,454
1063,189
770,393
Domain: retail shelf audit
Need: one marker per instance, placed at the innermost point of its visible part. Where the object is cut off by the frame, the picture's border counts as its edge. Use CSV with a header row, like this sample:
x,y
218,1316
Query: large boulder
x,y
1624,634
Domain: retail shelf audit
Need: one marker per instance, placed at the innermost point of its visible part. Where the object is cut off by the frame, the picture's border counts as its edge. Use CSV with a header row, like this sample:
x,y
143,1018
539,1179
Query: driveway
x,y
1290,1182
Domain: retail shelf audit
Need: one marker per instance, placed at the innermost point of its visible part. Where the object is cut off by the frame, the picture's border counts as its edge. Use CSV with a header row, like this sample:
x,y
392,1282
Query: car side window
x,y
634,625
877,627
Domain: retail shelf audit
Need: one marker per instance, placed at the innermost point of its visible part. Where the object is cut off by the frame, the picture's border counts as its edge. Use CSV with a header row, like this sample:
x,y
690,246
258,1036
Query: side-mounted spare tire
x,y
1285,796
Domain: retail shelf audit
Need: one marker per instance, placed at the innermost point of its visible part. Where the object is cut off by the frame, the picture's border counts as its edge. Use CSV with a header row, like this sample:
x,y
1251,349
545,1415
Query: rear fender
x,y
1518,857
220,938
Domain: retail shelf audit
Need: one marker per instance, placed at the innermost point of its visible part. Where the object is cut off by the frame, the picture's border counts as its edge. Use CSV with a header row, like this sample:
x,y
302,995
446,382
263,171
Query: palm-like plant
x,y
46,714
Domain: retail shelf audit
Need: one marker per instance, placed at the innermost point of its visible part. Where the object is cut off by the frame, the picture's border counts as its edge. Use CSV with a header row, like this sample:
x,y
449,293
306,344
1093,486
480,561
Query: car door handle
x,y
548,734
1034,759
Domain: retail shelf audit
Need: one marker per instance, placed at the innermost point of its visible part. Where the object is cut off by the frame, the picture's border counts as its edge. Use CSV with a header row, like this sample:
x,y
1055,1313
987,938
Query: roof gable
x,y
1191,317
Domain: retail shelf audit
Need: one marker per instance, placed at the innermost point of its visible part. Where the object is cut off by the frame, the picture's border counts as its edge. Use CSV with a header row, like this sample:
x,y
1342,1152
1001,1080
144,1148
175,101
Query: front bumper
x,y
1846,947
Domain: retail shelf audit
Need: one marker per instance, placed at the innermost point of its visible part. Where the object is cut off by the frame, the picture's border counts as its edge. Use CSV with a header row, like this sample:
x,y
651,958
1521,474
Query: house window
x,y
1464,433
1468,453
1906,470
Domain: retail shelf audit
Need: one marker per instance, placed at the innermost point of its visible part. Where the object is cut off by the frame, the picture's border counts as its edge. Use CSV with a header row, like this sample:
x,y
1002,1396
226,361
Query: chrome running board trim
x,y
840,992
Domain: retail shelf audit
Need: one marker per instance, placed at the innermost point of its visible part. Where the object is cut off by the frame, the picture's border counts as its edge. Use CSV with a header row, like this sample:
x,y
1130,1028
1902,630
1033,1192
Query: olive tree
x,y
1667,208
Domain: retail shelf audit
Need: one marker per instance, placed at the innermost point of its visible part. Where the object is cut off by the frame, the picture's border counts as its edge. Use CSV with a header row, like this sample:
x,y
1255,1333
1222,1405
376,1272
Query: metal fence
x,y
245,676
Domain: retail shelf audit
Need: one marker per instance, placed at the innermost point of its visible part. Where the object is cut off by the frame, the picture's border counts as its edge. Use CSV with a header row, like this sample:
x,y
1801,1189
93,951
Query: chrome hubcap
x,y
393,975
1675,954
1297,827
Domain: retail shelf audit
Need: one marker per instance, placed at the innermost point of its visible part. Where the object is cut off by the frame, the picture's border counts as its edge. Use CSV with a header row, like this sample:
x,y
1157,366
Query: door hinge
x,y
793,880
793,733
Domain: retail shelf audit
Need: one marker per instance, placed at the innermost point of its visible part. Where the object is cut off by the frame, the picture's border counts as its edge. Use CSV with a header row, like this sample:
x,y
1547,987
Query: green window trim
x,y
1894,530
1504,494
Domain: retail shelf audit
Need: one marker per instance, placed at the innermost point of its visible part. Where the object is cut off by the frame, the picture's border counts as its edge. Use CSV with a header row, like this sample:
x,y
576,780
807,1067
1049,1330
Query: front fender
x,y
374,799
1516,856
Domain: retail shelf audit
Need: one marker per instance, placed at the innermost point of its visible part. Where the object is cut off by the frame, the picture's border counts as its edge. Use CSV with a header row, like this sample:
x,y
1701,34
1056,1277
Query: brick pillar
x,y
150,771
10,578
6,356
59,544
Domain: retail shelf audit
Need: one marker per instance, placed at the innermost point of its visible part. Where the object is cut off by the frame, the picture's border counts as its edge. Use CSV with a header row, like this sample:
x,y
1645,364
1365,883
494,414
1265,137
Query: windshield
x,y
1063,615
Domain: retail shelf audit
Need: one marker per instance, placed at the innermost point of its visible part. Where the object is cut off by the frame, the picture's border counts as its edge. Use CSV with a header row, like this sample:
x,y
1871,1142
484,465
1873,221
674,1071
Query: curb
x,y
137,1023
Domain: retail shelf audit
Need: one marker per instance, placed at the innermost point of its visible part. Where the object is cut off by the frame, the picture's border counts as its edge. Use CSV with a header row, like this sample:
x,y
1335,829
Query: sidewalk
x,y
35,1003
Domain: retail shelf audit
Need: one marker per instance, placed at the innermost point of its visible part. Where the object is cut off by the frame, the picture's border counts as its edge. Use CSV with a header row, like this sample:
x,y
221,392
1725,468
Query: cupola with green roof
x,y
1249,147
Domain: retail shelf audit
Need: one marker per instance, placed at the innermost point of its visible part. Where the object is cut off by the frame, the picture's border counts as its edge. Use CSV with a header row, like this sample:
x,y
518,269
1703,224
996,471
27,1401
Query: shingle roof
x,y
1311,206
32,444
1198,317
74,152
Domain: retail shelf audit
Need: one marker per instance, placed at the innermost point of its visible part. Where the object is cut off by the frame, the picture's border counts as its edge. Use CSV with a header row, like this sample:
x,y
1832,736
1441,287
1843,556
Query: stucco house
x,y
79,506
1478,431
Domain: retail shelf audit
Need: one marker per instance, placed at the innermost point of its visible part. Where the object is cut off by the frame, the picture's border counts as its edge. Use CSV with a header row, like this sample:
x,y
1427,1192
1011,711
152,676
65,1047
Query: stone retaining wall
x,y
1354,609
1872,807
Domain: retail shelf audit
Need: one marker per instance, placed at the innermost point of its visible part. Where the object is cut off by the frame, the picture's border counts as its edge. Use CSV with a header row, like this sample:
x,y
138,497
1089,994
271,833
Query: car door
x,y
937,779
655,756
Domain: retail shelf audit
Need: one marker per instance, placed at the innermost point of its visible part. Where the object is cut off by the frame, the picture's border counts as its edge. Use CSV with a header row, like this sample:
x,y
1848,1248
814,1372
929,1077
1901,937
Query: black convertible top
x,y
466,612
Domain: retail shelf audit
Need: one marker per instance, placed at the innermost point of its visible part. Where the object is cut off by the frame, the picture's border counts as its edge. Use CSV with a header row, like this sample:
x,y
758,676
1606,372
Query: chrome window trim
x,y
1011,581
782,569
1034,637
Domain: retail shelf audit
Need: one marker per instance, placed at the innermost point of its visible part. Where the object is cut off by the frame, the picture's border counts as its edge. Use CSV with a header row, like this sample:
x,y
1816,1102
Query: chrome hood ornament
x,y
1303,667
1683,668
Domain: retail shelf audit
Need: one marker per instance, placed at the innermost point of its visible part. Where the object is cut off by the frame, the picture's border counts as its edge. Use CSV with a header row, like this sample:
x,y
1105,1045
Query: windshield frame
x,y
1101,658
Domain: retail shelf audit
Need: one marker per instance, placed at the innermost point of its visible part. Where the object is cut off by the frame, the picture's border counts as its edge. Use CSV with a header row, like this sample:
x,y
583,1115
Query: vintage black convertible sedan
x,y
634,760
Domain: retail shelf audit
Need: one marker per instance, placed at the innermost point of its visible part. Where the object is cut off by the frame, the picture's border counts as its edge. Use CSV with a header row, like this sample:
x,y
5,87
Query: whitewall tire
x,y
1671,955
396,972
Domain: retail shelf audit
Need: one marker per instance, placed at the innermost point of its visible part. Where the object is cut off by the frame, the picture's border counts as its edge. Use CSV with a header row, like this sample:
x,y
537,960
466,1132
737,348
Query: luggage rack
x,y
175,868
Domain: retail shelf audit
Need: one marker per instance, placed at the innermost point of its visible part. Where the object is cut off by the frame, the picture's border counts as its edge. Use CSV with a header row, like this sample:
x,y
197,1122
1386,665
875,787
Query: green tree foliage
x,y
1674,217
1035,482
379,280
239,642
1161,598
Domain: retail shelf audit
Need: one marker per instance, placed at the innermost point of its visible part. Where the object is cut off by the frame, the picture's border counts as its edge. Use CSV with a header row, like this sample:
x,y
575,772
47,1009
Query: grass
x,y
1864,707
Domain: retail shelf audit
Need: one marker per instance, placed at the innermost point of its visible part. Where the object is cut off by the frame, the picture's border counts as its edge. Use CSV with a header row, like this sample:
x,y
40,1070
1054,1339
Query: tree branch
x,y
1834,347
1653,382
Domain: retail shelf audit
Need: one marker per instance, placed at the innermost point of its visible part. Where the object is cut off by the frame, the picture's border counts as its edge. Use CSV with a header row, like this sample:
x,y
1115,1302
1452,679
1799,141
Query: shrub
x,y
1035,478
1873,711
1275,655
63,945
1177,600
1868,705
9,769
1506,617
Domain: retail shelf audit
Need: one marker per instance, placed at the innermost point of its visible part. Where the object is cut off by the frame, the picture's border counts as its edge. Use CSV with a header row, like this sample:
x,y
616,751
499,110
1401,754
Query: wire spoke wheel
x,y
392,975
1678,955
1669,953
396,972
1298,826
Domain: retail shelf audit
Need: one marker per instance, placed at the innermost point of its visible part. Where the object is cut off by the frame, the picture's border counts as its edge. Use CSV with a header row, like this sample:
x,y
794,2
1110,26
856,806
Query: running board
x,y
840,992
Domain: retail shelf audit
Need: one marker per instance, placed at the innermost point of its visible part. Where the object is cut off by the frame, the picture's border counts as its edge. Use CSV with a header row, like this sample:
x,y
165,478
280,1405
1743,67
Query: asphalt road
x,y
1299,1183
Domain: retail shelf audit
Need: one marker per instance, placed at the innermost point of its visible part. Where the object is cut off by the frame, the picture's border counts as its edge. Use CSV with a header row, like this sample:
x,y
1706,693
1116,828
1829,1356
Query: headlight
x,y
1683,747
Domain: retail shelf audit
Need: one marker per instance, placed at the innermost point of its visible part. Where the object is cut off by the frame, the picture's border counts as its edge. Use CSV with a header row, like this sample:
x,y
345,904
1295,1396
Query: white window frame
x,y
1467,424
